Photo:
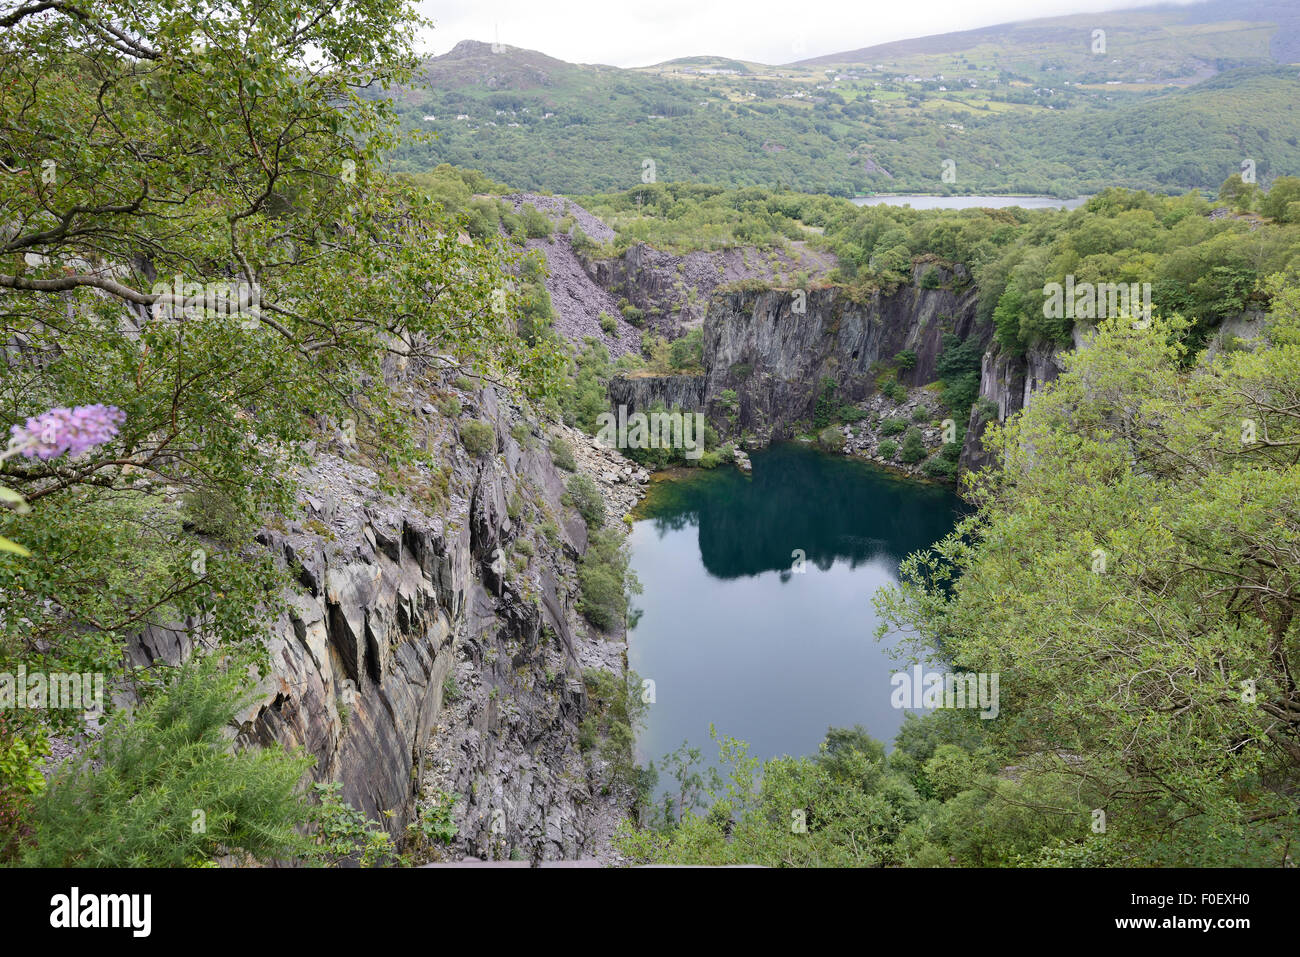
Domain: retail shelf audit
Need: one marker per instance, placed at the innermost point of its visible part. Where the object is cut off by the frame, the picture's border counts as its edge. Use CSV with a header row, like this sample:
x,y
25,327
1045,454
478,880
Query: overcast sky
x,y
641,32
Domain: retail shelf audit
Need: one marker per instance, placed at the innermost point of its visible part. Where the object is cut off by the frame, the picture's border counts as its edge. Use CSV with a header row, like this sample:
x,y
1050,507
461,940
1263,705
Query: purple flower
x,y
50,434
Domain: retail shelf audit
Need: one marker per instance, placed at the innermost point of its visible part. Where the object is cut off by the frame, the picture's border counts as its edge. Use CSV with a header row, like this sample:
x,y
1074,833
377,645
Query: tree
x,y
199,233
1281,197
1240,194
1136,553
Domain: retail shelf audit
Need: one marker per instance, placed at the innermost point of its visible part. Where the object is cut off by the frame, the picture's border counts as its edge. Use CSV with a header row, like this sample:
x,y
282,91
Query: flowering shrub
x,y
51,434
74,431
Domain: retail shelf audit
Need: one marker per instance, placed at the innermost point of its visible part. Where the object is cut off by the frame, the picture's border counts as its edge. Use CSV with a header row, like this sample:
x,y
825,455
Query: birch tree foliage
x,y
195,228
1131,574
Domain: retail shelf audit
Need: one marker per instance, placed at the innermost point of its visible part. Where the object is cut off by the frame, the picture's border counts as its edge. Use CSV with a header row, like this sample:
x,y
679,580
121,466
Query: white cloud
x,y
641,32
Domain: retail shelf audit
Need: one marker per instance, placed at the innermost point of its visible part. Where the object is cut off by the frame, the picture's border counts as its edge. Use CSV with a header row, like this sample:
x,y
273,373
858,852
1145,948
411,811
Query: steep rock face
x,y
774,347
1009,382
393,598
639,393
674,290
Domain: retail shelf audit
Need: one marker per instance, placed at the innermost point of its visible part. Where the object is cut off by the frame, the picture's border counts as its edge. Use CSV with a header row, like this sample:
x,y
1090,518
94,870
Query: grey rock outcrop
x,y
427,653
774,348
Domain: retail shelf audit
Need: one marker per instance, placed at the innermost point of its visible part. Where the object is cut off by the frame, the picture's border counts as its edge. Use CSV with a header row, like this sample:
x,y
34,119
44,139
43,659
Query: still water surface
x,y
971,202
731,635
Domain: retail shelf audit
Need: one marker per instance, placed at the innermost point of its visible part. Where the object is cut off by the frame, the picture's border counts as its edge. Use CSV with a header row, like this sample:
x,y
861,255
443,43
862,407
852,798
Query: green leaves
x,y
132,158
166,786
1126,575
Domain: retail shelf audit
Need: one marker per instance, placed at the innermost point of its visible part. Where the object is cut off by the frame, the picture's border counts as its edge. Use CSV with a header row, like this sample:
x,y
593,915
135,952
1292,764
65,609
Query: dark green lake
x,y
732,636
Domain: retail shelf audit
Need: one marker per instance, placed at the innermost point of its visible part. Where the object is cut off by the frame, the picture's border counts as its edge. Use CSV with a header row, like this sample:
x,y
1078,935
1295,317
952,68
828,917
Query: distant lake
x,y
733,636
920,201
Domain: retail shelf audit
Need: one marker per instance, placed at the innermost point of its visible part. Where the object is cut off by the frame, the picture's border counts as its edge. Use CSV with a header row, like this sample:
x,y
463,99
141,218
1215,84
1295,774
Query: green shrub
x,y
479,438
134,797
920,414
831,438
450,688
930,279
345,833
894,390
958,369
851,413
604,580
562,454
887,449
464,383
450,406
825,406
584,495
608,324
213,512
913,447
710,459
939,467
536,224
585,395
987,409
614,713
522,433
687,352
906,360
892,426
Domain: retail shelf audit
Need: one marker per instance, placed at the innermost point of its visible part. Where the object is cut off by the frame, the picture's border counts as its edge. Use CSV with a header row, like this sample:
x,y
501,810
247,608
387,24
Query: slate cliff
x,y
426,652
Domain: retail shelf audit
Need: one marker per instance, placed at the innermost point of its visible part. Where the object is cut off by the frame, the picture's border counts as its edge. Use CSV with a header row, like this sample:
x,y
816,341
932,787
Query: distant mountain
x,y
1169,98
1173,38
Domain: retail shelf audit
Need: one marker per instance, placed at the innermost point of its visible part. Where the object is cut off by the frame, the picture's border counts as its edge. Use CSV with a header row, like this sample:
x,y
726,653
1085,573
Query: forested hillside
x,y
1174,99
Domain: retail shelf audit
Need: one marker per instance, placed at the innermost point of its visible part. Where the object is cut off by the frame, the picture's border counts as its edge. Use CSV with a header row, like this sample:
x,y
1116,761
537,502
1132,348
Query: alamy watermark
x,y
177,298
934,689
1105,300
653,430
55,690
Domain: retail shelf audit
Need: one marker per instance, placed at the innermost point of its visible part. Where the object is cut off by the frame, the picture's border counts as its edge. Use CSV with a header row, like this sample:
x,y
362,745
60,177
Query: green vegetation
x,y
825,407
1163,513
562,454
958,369
195,150
584,394
913,448
944,465
604,579
894,390
686,354
1027,111
584,495
830,438
936,800
616,712
166,787
479,438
